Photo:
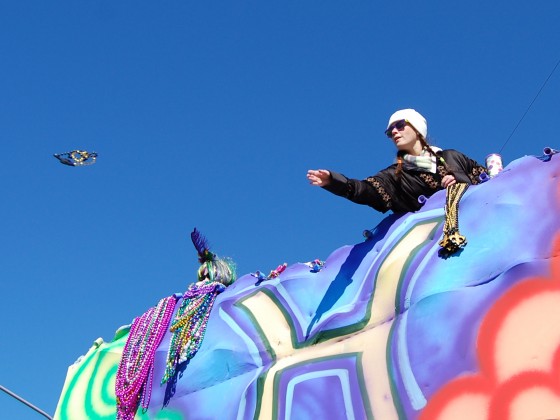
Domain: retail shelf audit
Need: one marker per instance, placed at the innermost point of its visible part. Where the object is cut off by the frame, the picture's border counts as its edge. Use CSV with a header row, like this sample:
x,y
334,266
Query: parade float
x,y
386,328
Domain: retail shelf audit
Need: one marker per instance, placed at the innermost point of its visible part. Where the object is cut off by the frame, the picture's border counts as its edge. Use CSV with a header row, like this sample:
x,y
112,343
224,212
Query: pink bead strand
x,y
133,383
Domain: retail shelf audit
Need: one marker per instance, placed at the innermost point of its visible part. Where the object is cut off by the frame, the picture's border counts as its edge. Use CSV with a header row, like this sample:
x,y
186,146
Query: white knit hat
x,y
414,118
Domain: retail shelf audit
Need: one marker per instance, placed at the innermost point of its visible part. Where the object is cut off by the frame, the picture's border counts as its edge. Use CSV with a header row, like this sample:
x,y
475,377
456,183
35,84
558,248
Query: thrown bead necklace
x,y
133,385
189,325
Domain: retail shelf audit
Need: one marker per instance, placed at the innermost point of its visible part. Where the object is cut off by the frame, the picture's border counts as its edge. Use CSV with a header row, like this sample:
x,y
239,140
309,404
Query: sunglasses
x,y
399,125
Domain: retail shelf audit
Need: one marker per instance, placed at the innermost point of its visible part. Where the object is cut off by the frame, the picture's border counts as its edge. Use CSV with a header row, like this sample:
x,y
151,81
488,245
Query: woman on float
x,y
419,170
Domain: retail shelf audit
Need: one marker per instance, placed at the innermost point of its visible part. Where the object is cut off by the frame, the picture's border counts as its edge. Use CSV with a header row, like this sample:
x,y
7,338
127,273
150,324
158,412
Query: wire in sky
x,y
17,397
531,104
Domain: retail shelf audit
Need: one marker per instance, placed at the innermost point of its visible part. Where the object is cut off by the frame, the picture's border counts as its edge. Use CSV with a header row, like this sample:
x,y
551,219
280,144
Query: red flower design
x,y
518,349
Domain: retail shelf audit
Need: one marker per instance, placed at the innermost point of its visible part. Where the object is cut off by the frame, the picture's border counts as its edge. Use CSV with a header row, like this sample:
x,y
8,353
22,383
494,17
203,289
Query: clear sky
x,y
209,114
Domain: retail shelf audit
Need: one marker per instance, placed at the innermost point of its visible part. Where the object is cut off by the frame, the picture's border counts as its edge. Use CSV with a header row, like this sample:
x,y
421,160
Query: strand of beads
x,y
189,325
133,385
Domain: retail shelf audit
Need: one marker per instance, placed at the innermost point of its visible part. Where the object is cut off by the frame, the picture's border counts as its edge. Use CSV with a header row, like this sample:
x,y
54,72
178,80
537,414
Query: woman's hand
x,y
448,180
319,177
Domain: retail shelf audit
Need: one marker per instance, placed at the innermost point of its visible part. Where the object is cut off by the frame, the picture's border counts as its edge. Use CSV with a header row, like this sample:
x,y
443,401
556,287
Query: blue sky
x,y
209,114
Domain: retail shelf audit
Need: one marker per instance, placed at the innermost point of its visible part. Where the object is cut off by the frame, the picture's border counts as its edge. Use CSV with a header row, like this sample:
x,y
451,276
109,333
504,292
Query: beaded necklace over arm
x,y
135,373
189,326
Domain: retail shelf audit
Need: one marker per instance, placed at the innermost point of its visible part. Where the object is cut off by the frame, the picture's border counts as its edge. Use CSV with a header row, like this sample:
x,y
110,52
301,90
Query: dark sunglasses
x,y
399,125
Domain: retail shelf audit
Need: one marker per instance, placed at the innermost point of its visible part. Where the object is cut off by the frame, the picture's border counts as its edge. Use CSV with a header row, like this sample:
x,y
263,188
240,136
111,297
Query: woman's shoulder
x,y
452,153
459,159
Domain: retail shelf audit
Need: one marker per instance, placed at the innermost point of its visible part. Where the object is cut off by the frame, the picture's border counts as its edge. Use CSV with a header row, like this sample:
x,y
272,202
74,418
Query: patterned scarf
x,y
425,162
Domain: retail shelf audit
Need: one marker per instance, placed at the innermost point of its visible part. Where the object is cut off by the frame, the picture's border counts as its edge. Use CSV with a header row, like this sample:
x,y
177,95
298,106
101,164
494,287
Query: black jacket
x,y
387,191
